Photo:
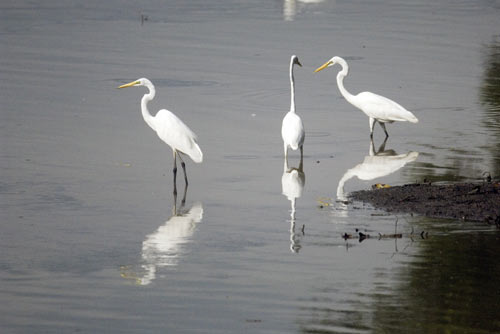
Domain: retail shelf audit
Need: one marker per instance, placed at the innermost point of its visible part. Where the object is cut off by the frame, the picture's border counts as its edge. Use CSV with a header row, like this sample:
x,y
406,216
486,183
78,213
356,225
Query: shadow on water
x,y
292,185
450,287
460,164
163,247
443,283
490,99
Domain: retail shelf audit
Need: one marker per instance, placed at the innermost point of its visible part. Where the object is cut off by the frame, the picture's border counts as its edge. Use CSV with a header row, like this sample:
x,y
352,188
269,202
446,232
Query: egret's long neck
x,y
340,81
148,118
292,89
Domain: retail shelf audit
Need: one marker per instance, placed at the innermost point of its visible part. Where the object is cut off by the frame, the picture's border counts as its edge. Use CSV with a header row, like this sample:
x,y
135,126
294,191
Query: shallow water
x,y
88,242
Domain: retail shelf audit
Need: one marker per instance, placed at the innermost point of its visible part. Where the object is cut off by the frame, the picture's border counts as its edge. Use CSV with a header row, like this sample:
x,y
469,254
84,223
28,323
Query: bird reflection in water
x,y
292,185
377,164
163,247
290,7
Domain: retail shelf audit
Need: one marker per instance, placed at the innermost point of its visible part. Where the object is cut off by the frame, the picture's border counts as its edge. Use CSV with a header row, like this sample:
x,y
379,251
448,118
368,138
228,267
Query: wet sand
x,y
464,201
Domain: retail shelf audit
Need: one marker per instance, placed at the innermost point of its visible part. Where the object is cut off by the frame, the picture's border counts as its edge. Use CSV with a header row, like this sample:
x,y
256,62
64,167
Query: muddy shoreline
x,y
466,201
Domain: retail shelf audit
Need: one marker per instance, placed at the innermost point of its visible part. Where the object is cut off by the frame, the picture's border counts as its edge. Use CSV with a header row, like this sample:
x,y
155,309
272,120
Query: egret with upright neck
x,y
170,129
378,108
292,129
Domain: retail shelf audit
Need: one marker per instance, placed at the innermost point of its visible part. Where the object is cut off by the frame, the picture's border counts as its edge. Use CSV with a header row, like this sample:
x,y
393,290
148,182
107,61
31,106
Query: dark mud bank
x,y
467,201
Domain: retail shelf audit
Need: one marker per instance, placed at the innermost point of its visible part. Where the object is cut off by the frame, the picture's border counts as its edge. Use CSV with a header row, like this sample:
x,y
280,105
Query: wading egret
x,y
377,108
292,129
170,129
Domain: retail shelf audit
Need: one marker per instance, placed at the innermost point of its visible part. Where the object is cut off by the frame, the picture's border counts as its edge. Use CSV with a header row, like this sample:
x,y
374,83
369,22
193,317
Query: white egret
x,y
170,129
292,129
377,108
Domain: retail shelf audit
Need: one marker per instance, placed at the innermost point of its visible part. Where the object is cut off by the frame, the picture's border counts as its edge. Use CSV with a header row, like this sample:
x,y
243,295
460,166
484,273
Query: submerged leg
x,y
372,124
383,127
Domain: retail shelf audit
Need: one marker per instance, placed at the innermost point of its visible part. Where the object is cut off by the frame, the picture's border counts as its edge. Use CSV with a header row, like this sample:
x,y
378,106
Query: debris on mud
x,y
466,201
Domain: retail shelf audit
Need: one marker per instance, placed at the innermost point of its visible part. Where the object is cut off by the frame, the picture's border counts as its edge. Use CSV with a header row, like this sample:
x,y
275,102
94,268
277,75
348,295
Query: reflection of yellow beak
x,y
322,67
130,84
298,63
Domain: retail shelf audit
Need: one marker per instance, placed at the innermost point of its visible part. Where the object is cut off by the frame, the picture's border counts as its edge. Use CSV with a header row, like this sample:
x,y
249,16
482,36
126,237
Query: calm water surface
x,y
92,240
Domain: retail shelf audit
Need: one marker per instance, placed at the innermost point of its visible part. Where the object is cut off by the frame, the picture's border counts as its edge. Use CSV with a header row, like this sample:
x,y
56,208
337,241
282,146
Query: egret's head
x,y
295,60
138,82
329,63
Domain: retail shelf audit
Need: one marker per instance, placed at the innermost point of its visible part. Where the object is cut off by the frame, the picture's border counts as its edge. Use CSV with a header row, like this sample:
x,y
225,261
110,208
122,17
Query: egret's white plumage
x,y
377,108
292,129
169,128
177,134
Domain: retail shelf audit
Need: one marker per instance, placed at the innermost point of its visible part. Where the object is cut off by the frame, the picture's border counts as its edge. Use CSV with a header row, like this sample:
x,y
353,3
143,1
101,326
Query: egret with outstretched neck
x,y
170,129
292,129
378,108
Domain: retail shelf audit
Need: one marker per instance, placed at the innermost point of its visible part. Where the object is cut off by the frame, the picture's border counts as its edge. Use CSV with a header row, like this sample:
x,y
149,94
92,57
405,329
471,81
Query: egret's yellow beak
x,y
130,84
322,67
298,63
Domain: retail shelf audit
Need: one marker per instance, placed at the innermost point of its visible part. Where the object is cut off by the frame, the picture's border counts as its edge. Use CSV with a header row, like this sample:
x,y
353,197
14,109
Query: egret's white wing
x,y
177,134
382,108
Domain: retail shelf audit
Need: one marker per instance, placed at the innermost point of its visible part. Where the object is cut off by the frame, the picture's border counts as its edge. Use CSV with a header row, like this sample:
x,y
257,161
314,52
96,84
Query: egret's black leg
x,y
301,160
372,147
174,208
372,124
183,165
183,202
185,175
186,182
383,127
286,155
382,147
184,169
175,175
